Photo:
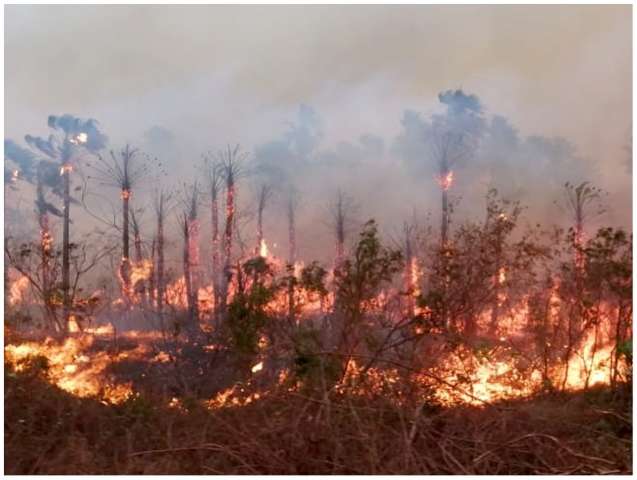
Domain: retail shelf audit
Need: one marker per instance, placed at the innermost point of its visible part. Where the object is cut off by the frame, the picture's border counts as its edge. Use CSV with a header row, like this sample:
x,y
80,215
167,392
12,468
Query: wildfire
x,y
66,168
263,249
445,181
141,272
257,368
17,290
70,368
79,139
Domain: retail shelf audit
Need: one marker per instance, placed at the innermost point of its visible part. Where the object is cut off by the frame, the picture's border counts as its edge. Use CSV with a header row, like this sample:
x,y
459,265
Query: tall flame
x,y
263,249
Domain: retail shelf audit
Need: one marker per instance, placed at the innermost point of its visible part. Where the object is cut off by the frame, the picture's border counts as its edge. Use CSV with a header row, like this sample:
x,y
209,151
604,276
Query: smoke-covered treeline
x,y
388,178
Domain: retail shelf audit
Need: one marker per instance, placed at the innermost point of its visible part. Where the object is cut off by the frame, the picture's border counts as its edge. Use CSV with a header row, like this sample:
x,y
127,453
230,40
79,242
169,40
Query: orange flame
x,y
445,181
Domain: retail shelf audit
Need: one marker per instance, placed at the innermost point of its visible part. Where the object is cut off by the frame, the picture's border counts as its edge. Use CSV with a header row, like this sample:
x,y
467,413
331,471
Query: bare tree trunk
x,y
259,227
265,192
409,273
152,293
45,258
186,267
340,229
46,242
498,280
292,228
191,261
66,257
444,228
161,288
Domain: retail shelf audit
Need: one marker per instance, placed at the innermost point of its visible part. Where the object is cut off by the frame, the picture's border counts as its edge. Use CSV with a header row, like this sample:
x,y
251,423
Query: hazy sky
x,y
555,69
218,74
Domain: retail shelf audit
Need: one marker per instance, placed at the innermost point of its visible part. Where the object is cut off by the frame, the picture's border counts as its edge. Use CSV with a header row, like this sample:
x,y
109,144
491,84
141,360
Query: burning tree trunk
x,y
125,267
231,164
123,171
214,182
140,284
410,271
579,199
125,184
75,133
265,192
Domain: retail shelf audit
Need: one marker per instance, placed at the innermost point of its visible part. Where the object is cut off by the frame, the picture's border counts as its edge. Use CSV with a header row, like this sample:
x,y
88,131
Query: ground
x,y
48,431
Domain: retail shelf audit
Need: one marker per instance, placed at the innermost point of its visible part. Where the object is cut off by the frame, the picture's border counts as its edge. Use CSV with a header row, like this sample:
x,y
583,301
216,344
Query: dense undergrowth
x,y
48,431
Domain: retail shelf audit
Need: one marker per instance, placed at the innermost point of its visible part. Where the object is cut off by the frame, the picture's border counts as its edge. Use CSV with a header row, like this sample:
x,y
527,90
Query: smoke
x,y
73,126
93,139
49,147
37,170
25,159
284,160
159,141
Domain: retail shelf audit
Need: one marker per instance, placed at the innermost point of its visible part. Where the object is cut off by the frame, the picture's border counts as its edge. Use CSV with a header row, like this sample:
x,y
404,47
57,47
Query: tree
x,y
161,206
190,228
214,174
453,137
342,209
264,195
124,171
292,206
74,137
358,280
231,165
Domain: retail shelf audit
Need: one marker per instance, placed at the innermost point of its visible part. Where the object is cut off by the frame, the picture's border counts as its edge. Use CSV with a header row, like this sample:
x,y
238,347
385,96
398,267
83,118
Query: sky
x,y
182,80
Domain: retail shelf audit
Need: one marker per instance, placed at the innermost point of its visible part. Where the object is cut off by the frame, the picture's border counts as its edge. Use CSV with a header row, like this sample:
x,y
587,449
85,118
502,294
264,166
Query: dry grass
x,y
50,432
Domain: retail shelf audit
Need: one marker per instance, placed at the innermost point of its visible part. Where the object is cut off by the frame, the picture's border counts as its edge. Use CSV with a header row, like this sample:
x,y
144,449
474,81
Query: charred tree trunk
x,y
409,273
214,211
227,237
161,284
191,291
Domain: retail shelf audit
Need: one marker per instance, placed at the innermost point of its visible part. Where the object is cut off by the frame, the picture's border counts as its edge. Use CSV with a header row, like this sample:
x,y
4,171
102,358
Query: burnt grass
x,y
48,431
